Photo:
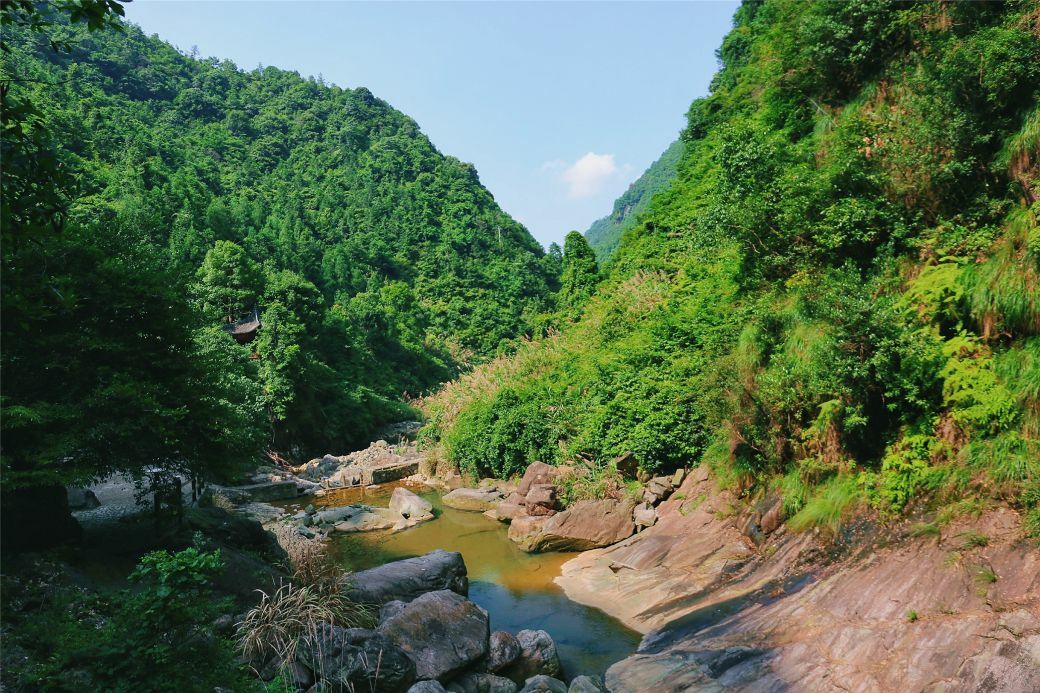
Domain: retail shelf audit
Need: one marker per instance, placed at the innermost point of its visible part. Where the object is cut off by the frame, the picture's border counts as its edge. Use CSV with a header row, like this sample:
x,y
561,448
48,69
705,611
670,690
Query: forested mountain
x,y
839,296
604,235
151,197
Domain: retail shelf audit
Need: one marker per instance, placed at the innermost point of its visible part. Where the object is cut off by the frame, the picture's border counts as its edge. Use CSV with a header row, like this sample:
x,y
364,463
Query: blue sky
x,y
560,105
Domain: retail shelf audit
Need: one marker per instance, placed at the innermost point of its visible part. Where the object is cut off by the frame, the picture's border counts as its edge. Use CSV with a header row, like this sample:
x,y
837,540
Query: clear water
x,y
515,588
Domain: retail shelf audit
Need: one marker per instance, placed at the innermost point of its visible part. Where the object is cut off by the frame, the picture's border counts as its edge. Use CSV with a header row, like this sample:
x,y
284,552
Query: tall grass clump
x,y
314,596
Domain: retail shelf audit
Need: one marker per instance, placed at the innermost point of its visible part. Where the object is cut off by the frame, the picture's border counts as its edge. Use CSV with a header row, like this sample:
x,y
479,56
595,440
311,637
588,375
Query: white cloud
x,y
586,176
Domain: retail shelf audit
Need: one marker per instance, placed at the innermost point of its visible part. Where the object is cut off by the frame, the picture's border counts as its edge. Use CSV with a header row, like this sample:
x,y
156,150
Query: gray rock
x,y
543,684
427,687
355,659
537,656
504,650
479,682
306,531
473,499
409,578
442,632
82,499
587,684
644,515
390,609
409,505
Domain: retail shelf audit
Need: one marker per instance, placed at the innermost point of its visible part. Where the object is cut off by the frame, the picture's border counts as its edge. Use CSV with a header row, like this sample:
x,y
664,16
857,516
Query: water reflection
x,y
516,588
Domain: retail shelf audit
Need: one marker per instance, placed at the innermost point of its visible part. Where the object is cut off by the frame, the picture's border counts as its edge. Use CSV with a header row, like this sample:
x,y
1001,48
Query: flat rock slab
x,y
443,632
410,578
390,471
269,491
473,499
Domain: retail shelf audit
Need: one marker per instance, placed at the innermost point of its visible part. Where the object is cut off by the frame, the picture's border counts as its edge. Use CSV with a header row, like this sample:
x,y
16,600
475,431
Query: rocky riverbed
x,y
726,597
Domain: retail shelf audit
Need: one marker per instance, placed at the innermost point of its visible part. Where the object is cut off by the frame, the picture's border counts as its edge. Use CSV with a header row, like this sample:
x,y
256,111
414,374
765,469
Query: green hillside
x,y
604,235
151,197
839,296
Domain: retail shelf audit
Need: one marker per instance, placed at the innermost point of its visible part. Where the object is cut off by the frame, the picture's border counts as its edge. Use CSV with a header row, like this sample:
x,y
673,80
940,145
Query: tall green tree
x,y
580,274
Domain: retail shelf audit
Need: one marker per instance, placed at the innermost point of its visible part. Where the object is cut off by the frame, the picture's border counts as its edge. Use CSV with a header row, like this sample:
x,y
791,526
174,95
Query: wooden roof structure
x,y
244,330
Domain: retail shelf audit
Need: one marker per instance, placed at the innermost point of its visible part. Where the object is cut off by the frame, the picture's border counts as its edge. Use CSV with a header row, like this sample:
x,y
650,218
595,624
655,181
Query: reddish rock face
x,y
537,473
541,500
585,525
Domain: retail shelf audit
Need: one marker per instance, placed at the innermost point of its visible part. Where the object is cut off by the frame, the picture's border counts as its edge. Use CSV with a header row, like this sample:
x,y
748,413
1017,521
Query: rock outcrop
x,y
895,613
409,578
353,659
473,499
538,656
443,632
585,525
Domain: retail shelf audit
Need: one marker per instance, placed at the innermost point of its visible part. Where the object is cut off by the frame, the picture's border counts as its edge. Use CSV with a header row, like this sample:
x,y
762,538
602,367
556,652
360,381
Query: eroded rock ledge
x,y
719,611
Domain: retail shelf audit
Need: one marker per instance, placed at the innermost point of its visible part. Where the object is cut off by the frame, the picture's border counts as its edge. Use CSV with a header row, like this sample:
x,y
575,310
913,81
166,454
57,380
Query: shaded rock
x,y
543,684
356,659
407,579
473,499
772,519
585,525
409,505
392,470
657,489
541,500
644,515
427,687
524,531
390,609
537,656
504,649
536,473
586,684
442,632
234,530
82,499
626,464
478,682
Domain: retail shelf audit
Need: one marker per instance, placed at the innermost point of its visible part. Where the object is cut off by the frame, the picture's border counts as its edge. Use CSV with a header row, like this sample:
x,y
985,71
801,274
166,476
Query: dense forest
x,y
152,198
604,235
838,298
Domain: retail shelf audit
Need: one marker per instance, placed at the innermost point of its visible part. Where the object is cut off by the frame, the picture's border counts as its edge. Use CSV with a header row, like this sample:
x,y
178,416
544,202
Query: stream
x,y
515,588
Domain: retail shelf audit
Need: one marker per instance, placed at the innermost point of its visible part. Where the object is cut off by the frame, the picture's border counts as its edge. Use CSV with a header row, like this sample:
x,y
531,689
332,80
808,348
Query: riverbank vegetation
x,y
838,296
153,198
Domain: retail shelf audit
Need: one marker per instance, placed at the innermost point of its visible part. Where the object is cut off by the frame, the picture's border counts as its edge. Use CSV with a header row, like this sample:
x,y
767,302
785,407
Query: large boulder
x,y
427,687
410,506
369,519
543,684
585,525
537,656
541,500
504,650
442,632
355,659
586,684
473,499
509,508
82,499
644,515
409,578
525,531
537,473
482,682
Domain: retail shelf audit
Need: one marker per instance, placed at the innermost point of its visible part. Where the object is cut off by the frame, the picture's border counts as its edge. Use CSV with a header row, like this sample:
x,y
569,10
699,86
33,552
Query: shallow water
x,y
516,588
